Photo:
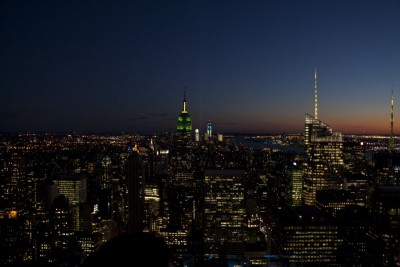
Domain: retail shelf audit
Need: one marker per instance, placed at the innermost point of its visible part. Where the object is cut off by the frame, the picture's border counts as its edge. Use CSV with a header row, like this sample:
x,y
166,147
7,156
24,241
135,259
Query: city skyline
x,y
247,66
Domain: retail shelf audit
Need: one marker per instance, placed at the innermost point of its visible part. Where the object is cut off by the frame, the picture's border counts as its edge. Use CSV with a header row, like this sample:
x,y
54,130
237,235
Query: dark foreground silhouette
x,y
131,249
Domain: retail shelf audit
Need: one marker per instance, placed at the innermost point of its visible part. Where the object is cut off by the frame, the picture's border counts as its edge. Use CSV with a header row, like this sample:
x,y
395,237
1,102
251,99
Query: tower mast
x,y
315,94
391,140
184,101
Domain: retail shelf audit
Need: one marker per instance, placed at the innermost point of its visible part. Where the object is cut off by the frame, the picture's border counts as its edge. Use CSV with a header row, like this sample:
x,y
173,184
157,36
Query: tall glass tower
x,y
324,155
209,129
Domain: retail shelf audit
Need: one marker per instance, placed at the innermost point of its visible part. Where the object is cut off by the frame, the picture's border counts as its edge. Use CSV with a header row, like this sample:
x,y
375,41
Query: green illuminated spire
x,y
184,119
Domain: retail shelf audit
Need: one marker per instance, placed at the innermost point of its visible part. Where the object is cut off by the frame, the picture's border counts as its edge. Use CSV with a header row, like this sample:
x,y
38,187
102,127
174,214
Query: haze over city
x,y
248,66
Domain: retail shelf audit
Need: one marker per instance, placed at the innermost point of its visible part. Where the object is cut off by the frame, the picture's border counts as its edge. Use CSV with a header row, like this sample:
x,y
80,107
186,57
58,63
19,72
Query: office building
x,y
353,228
62,229
324,156
384,227
306,236
74,188
295,174
224,213
106,173
135,200
151,207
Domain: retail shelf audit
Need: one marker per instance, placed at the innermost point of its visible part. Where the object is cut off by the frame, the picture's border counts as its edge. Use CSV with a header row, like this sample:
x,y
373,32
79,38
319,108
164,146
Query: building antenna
x,y
184,99
391,140
315,94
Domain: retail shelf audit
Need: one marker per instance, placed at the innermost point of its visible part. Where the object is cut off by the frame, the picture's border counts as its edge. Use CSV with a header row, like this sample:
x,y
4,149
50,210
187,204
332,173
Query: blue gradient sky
x,y
111,66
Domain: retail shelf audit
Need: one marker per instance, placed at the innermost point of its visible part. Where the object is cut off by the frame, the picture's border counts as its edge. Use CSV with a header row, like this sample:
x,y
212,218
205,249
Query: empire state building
x,y
184,126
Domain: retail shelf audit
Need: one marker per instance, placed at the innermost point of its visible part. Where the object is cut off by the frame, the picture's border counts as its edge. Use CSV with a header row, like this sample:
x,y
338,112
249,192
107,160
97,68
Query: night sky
x,y
123,66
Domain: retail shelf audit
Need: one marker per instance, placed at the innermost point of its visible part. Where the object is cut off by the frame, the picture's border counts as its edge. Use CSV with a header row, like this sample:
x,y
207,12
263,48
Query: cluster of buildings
x,y
215,201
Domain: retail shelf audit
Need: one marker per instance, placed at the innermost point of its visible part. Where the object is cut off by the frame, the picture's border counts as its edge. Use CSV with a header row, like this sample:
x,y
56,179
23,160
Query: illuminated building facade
x,y
61,223
324,161
177,241
74,188
106,173
15,184
306,236
86,241
43,244
224,213
151,207
181,185
295,173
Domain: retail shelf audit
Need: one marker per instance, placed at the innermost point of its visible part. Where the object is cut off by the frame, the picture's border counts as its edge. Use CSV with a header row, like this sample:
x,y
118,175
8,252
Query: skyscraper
x,y
295,173
135,183
74,188
184,120
384,216
179,189
323,148
224,213
14,189
306,236
182,155
209,129
106,173
61,223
